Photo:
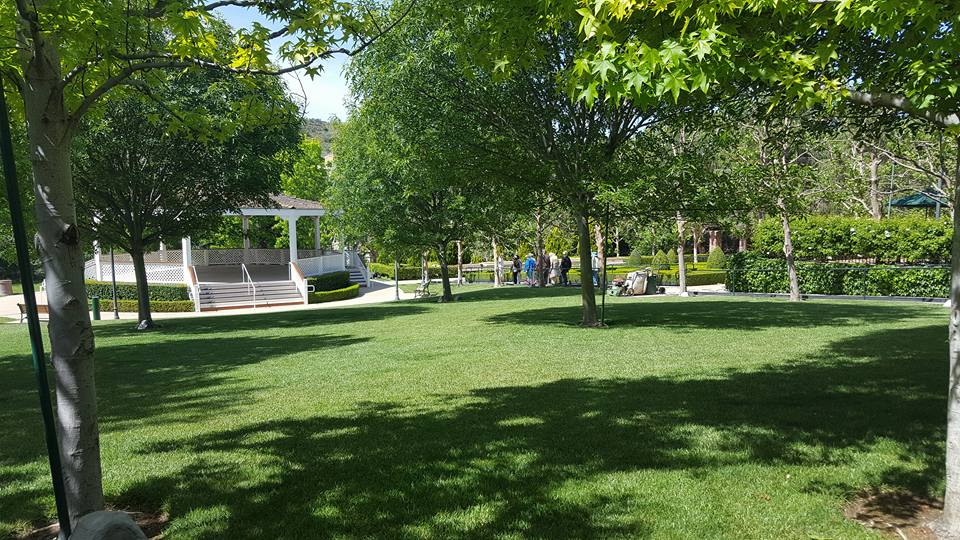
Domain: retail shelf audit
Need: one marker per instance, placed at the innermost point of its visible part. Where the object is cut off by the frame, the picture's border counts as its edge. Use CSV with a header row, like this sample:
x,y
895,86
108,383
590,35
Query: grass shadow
x,y
716,313
494,462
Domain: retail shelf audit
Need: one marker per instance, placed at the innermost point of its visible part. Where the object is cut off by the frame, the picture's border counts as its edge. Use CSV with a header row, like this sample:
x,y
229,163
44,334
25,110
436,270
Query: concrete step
x,y
238,295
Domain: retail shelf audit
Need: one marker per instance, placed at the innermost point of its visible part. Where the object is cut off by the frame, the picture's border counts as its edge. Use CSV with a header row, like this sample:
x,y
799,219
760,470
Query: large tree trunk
x,y
444,273
788,252
681,263
951,500
58,245
587,299
143,289
425,267
875,208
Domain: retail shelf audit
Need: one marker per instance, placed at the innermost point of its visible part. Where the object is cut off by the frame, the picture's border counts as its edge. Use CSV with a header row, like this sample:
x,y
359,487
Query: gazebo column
x,y
96,257
292,226
245,224
316,233
187,250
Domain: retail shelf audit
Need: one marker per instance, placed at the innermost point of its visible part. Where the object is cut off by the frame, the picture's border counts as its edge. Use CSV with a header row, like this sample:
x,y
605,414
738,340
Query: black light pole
x,y
113,284
33,321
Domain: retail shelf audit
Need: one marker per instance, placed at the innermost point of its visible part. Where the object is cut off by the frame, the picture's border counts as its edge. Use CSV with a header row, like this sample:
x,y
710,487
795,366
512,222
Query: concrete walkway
x,y
379,292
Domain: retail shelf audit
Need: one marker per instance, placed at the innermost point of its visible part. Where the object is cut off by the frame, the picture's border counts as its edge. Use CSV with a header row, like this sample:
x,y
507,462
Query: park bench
x,y
423,290
43,312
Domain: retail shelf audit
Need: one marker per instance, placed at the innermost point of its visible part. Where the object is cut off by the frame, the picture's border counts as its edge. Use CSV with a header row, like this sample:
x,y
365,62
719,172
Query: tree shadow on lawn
x,y
278,320
491,462
721,314
154,383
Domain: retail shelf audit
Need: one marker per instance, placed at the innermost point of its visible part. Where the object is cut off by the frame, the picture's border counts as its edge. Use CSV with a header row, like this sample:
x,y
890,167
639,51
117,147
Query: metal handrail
x,y
250,284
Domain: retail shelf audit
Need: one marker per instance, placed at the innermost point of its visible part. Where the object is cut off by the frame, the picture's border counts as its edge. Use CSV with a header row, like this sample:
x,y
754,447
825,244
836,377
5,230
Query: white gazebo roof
x,y
283,206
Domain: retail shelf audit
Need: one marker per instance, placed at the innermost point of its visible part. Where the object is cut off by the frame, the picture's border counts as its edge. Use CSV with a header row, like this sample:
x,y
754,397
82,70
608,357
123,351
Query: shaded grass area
x,y
497,417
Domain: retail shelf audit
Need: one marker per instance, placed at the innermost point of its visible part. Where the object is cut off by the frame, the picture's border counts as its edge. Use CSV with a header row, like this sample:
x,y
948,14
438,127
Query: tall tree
x,y
143,178
899,56
63,58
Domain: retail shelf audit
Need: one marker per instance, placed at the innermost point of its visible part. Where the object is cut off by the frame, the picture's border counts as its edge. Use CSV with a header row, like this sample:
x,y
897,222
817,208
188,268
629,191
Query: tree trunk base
x,y
146,325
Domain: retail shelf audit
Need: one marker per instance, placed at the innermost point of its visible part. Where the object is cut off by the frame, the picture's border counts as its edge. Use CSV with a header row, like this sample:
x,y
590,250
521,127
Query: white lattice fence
x,y
316,266
156,272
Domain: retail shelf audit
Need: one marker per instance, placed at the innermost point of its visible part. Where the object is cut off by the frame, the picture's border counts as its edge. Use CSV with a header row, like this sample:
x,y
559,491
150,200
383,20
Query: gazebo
x,y
245,277
925,199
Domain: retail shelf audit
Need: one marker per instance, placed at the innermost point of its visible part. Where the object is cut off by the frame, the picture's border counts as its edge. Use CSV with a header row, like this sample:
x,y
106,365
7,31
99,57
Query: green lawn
x,y
495,417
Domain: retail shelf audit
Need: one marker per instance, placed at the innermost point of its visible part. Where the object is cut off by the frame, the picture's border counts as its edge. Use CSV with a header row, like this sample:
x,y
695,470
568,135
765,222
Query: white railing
x,y
354,261
296,275
194,284
217,257
248,279
316,266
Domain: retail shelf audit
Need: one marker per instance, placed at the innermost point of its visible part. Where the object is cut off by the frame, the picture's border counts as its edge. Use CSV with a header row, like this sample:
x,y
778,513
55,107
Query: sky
x,y
325,93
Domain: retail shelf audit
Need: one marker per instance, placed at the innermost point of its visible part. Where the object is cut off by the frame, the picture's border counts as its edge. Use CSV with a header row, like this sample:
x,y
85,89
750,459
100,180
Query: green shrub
x,y
821,238
158,306
638,259
672,257
659,260
385,271
345,293
128,291
751,272
331,281
716,259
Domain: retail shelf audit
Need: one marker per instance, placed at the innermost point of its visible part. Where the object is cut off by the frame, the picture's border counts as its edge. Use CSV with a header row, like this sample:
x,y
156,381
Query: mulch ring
x,y
896,514
151,523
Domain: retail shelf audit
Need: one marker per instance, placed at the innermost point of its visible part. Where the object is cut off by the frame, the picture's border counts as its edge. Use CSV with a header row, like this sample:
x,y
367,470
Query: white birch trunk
x,y
58,245
788,252
951,499
682,264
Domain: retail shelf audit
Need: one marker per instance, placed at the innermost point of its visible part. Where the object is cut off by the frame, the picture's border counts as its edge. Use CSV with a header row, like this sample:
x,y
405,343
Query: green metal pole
x,y
603,257
33,321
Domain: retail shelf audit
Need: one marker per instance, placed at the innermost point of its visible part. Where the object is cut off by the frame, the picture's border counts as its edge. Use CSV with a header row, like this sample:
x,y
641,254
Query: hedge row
x,y
345,293
386,271
820,238
751,272
128,291
156,306
331,281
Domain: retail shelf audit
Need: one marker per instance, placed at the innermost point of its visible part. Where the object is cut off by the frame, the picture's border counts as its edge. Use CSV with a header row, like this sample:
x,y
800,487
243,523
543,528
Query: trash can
x,y
652,284
95,307
6,287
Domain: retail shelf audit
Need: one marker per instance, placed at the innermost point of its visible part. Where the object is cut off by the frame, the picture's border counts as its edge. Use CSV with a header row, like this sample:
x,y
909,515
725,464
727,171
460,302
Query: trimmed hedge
x,y
406,272
345,293
901,239
128,291
717,259
156,306
752,272
331,281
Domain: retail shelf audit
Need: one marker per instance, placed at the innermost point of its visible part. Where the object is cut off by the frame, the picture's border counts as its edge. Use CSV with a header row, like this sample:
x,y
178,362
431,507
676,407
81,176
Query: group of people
x,y
548,269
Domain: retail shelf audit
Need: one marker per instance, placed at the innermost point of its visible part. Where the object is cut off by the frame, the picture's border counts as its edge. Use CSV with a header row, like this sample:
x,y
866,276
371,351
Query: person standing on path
x,y
530,266
515,269
565,265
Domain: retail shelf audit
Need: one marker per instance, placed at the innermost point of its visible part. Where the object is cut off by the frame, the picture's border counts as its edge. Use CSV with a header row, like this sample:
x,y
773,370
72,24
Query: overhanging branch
x,y
903,104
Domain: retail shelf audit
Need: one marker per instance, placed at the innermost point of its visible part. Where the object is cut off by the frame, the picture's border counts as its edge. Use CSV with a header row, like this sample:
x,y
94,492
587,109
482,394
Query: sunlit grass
x,y
497,416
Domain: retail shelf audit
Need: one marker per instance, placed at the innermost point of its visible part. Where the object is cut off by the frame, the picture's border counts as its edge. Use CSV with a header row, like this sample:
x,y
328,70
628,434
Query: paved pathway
x,y
378,292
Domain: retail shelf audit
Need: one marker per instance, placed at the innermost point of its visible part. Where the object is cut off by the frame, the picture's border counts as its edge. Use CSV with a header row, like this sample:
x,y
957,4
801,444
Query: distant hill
x,y
320,130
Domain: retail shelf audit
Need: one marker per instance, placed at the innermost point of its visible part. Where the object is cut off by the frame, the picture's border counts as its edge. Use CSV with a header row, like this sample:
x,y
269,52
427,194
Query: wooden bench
x,y
43,312
423,290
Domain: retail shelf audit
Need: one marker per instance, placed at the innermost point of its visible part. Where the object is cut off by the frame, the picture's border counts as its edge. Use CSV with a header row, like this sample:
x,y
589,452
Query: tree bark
x,y
459,262
58,245
144,316
951,499
682,264
876,211
743,244
497,267
601,245
788,252
588,301
425,267
444,273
